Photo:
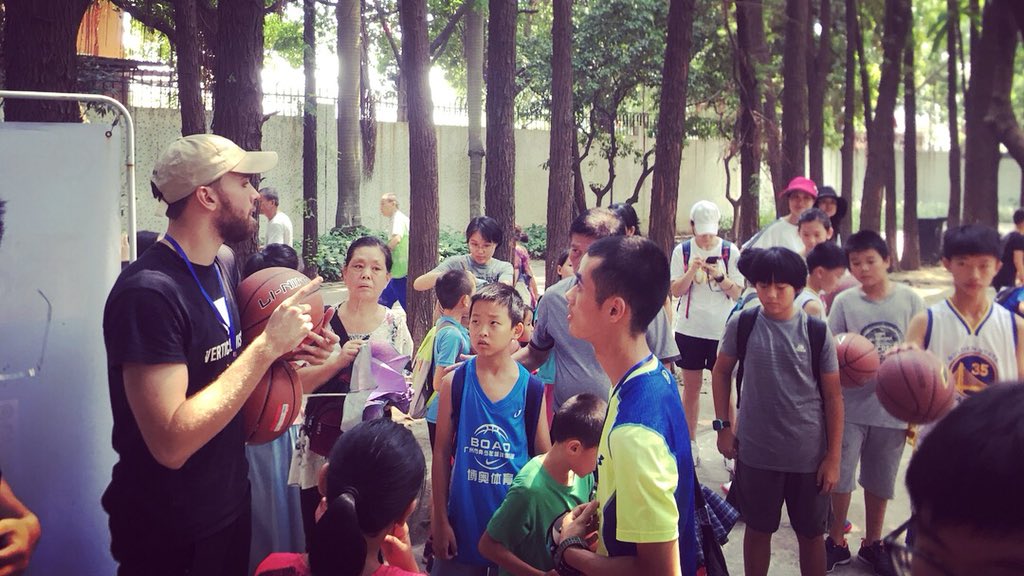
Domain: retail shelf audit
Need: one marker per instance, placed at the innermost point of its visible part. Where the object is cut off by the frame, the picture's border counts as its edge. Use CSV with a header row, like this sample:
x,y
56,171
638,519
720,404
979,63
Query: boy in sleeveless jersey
x,y
645,488
489,444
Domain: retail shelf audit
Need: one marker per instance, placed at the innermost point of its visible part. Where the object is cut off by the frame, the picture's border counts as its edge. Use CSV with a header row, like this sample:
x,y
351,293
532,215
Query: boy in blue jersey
x,y
487,436
645,479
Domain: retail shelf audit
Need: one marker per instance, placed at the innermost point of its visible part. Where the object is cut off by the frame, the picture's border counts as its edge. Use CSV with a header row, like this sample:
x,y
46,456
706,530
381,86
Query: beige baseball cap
x,y
200,159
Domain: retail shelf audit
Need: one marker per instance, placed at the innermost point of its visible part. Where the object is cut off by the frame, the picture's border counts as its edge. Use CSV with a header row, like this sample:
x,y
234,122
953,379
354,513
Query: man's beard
x,y
234,229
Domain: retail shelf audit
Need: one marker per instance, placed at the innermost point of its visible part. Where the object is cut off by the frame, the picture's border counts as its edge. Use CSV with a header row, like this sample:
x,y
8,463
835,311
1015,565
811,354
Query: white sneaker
x,y
695,452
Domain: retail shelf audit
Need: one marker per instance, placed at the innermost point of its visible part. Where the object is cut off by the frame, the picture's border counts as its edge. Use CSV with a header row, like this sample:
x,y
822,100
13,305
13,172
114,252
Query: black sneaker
x,y
835,554
877,556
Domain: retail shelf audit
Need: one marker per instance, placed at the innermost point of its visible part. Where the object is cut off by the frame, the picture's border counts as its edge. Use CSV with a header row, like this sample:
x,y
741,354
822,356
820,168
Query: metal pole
x,y
129,124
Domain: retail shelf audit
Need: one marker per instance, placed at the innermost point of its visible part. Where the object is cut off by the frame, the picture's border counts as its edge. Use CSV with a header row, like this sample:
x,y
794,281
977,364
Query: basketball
x,y
858,360
273,404
912,386
261,293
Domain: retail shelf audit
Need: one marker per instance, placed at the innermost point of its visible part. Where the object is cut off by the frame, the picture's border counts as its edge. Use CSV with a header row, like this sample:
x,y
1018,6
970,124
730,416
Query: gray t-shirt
x,y
576,367
782,419
884,323
494,271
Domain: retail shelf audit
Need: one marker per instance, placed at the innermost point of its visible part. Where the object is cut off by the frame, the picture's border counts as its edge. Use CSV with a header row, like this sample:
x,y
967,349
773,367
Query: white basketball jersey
x,y
976,356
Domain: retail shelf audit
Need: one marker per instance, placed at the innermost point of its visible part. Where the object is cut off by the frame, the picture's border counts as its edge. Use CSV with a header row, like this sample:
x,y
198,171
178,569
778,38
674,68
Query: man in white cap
x,y
705,278
799,195
179,499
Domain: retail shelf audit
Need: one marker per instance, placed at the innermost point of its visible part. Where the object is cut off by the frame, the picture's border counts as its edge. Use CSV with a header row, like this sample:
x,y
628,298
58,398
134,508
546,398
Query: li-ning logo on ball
x,y
973,373
490,446
282,288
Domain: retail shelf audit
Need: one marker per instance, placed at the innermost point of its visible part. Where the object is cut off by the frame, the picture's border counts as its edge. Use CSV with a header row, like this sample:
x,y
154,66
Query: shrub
x,y
538,244
330,255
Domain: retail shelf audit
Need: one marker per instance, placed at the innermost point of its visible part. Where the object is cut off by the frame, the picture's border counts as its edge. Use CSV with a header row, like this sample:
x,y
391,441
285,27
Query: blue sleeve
x,y
447,346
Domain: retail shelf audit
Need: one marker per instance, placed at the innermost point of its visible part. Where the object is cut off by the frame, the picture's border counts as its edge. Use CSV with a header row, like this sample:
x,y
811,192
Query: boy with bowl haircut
x,y
487,437
788,447
880,310
646,488
547,487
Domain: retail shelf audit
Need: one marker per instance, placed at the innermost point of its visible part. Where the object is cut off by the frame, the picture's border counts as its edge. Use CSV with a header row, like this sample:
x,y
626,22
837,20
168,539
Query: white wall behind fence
x,y
702,174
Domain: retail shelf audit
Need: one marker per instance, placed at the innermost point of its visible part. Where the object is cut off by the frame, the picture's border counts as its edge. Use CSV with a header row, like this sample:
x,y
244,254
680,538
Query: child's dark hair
x,y
562,257
369,242
580,418
488,228
826,255
376,470
452,286
971,240
778,265
746,260
504,295
867,240
272,255
975,446
814,215
1018,216
627,214
598,223
635,269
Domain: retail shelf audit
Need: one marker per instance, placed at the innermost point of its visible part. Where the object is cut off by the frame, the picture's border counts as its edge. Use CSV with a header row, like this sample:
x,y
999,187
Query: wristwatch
x,y
563,567
720,425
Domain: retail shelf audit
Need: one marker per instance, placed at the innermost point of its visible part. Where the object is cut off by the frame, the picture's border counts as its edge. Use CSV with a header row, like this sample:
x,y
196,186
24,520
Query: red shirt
x,y
289,564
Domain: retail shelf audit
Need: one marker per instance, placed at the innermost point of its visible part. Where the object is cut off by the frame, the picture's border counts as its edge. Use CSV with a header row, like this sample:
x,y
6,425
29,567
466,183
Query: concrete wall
x,y
702,173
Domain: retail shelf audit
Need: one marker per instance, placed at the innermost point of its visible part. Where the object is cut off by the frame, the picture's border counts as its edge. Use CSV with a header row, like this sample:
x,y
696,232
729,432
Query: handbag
x,y
324,414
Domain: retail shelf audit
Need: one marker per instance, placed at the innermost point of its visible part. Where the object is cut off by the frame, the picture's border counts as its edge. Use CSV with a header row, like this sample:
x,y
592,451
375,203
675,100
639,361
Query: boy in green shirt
x,y
547,487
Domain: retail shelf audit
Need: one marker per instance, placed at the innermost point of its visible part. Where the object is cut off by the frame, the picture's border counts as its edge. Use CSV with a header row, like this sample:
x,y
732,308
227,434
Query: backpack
x,y
423,373
816,331
534,396
686,247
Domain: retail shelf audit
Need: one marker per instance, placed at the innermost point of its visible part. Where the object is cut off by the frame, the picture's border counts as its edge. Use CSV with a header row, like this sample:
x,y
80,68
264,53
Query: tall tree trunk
x,y
237,93
794,92
849,111
880,141
579,194
474,103
952,33
310,210
750,43
423,205
817,79
499,190
773,141
190,95
563,131
911,243
671,124
349,15
39,44
1000,116
981,174
865,84
891,216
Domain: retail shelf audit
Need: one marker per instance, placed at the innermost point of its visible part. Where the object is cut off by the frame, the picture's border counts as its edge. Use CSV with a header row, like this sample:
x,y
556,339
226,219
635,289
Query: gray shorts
x,y
878,450
760,494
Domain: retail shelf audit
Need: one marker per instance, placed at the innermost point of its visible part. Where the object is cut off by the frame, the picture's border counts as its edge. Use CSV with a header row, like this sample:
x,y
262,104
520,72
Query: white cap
x,y
705,216
200,159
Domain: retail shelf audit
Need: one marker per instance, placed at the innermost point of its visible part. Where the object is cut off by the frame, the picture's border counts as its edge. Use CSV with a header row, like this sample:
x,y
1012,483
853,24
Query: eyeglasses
x,y
902,553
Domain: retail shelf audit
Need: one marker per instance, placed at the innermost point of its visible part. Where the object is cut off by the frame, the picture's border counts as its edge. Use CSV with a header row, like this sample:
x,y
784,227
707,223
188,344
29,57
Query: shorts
x,y
878,450
696,353
761,493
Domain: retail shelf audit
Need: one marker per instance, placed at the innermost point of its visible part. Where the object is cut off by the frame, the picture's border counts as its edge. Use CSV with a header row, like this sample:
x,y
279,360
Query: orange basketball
x,y
912,386
858,360
273,405
262,292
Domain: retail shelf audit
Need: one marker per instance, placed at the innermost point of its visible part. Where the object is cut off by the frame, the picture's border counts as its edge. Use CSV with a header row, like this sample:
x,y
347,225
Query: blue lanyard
x,y
227,310
629,372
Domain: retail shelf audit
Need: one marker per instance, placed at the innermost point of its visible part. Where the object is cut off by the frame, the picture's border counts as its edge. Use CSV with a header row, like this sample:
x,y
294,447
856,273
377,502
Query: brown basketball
x,y
261,293
912,386
273,405
858,360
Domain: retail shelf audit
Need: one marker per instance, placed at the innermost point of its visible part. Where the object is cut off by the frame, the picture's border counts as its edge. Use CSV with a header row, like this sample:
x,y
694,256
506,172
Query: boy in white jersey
x,y
645,473
977,341
879,310
826,264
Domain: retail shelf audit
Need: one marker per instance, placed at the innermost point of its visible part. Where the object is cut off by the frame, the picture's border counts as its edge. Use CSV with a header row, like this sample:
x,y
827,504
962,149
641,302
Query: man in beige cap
x,y
179,499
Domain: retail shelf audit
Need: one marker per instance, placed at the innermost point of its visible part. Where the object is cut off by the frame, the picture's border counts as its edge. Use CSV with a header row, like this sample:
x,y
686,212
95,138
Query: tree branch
x,y
439,44
382,17
648,169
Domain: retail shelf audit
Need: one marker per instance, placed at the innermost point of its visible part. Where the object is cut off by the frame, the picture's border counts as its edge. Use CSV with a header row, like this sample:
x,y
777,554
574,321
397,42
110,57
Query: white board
x,y
62,184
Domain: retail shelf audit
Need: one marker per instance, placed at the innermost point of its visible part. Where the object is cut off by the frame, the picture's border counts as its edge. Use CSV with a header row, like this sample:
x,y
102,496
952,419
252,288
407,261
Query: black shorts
x,y
696,353
761,493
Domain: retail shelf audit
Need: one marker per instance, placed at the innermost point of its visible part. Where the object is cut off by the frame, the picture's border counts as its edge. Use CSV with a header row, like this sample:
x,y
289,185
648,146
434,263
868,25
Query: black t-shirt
x,y
156,314
1005,277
